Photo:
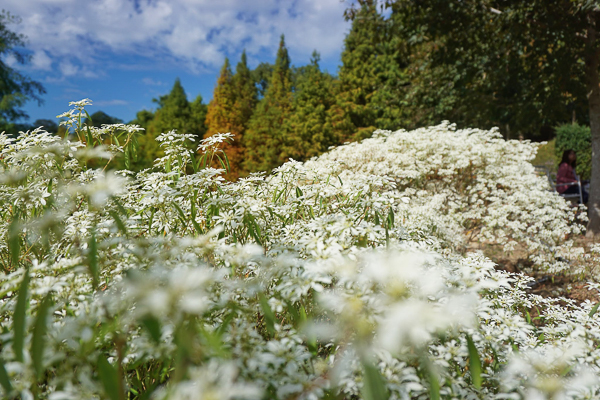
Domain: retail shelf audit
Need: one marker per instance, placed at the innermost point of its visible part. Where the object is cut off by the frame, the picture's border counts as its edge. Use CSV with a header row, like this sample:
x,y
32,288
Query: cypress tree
x,y
173,111
264,139
148,146
245,94
219,118
233,103
308,132
196,124
370,77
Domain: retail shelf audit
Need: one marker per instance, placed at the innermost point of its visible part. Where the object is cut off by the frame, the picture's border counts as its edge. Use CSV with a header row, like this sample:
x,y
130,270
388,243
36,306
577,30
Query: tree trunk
x,y
592,62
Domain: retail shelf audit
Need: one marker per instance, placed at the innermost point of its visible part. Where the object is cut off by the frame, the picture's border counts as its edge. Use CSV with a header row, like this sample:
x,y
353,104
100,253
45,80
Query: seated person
x,y
566,174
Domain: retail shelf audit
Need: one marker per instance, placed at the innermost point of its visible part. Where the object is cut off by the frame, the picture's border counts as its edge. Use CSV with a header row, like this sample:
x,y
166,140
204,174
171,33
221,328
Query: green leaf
x,y
90,138
135,147
299,192
227,162
4,379
19,318
118,222
226,321
390,219
434,384
109,378
474,363
221,162
594,309
127,154
193,210
14,241
268,314
87,115
39,335
153,326
180,212
373,384
93,258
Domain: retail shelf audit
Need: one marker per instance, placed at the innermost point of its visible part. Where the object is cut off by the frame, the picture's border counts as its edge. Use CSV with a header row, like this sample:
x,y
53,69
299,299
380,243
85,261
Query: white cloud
x,y
41,61
199,33
152,82
115,102
10,60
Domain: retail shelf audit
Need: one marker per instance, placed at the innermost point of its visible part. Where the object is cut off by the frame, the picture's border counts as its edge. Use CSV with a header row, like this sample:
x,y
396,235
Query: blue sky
x,y
123,53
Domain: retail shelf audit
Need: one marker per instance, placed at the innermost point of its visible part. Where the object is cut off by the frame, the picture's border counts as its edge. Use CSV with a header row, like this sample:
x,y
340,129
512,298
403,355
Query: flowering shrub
x,y
346,276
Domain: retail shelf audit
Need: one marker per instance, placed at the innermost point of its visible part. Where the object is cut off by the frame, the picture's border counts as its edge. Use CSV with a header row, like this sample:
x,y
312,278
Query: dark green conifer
x,y
196,124
264,138
370,78
220,118
307,131
246,95
173,111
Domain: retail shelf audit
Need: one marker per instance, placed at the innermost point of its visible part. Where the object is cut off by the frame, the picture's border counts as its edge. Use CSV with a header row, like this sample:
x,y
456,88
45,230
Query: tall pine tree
x,y
246,95
307,131
219,118
243,108
173,111
233,103
371,76
196,124
264,138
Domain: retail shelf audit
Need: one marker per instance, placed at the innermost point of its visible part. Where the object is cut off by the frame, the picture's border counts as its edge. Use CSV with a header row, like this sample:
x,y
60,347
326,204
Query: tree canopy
x,y
15,88
517,65
264,138
308,132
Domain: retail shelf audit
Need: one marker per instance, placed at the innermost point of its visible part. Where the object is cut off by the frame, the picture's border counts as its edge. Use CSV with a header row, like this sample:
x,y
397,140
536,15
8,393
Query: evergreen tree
x,y
246,95
149,148
371,76
100,118
264,139
261,75
15,88
143,118
219,118
526,64
308,132
243,107
173,111
233,103
196,124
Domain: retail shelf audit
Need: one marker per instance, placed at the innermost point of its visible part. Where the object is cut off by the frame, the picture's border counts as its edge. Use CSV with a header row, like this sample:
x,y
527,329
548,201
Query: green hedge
x,y
578,138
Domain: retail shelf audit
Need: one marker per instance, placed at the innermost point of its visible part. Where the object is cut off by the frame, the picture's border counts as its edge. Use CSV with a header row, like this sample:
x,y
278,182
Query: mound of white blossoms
x,y
343,277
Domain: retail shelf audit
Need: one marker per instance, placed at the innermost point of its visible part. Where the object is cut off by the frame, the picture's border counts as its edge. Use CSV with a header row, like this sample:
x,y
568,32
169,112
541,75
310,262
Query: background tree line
x,y
524,67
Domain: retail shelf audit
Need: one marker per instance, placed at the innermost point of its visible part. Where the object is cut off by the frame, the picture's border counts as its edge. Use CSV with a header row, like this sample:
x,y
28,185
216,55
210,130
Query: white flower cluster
x,y
345,276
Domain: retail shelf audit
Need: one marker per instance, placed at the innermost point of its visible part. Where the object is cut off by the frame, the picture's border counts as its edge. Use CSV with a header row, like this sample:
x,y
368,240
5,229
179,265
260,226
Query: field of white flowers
x,y
344,277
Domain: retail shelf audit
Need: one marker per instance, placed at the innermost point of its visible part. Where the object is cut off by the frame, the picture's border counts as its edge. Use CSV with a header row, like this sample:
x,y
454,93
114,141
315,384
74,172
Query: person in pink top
x,y
566,174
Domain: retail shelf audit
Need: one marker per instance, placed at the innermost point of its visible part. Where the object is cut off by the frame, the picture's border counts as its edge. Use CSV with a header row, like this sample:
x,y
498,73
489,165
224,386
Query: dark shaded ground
x,y
560,285
570,287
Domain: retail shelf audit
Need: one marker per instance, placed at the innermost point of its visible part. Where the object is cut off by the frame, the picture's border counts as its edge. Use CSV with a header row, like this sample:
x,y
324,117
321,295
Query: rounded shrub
x,y
578,138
